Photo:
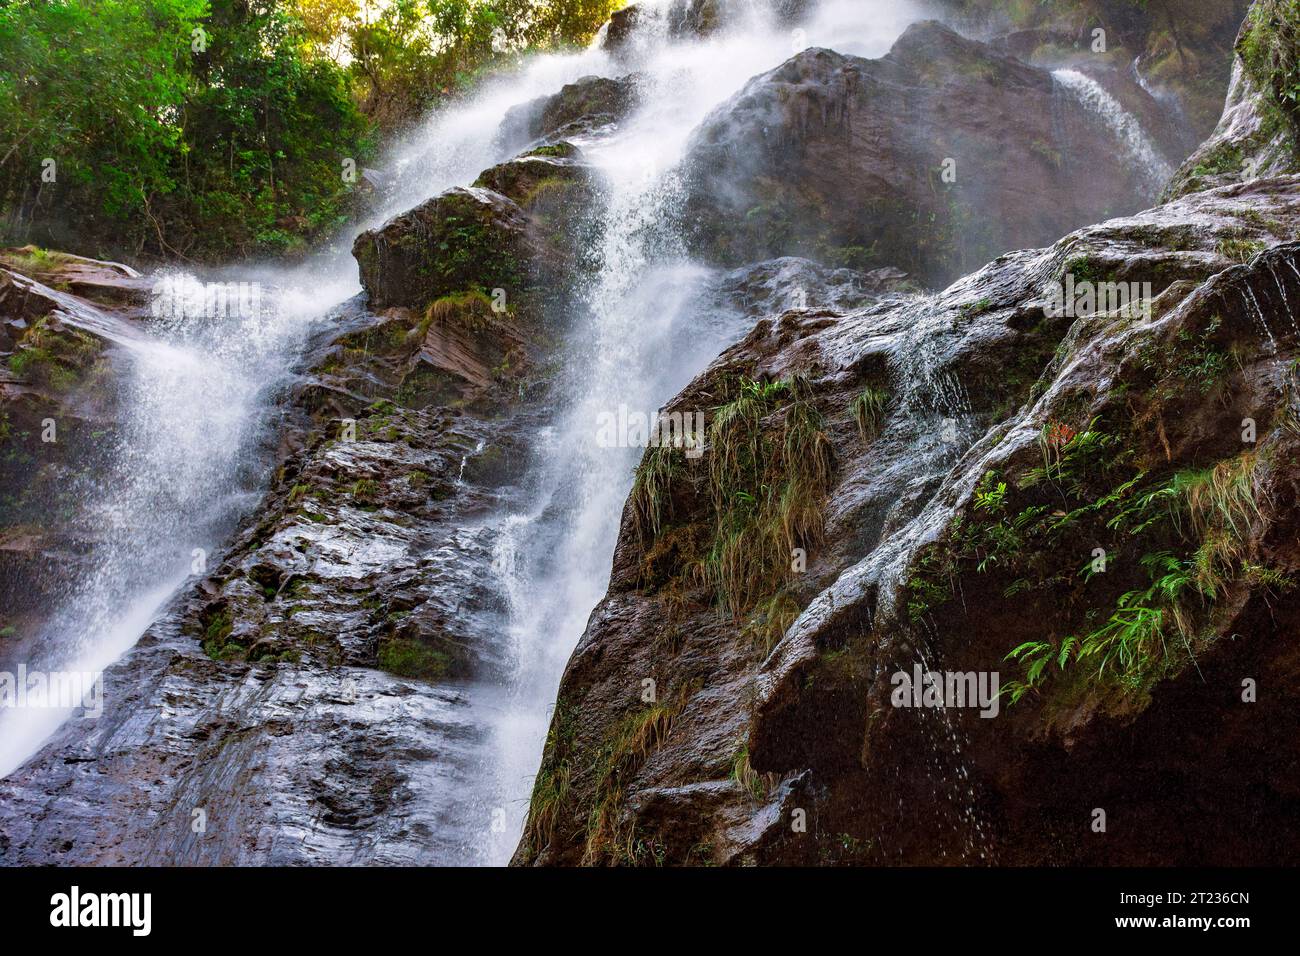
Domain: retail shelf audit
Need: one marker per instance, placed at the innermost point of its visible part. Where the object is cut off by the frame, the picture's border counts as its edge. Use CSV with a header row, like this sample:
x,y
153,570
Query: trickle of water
x,y
464,460
1252,306
1286,302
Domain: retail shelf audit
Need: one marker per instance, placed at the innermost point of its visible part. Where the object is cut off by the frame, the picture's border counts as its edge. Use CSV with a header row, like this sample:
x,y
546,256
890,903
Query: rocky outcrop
x,y
903,160
580,108
309,698
1180,53
511,240
1256,136
968,452
402,263
1092,500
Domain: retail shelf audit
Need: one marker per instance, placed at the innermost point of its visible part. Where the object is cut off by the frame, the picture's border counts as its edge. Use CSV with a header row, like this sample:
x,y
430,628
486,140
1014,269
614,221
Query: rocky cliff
x,y
933,158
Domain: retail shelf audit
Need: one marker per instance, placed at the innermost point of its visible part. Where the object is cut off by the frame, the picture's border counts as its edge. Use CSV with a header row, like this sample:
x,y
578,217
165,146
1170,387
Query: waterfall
x,y
1122,124
199,390
642,338
202,393
196,399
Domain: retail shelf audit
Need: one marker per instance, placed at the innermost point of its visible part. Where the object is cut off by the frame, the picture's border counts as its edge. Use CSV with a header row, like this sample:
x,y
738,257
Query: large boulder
x,y
933,158
513,237
462,239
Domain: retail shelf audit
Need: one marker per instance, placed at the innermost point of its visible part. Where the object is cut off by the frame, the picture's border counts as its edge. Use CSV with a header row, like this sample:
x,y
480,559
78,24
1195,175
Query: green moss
x,y
1196,525
1198,361
410,658
1239,249
551,787
555,150
32,260
216,630
1270,51
364,490
470,310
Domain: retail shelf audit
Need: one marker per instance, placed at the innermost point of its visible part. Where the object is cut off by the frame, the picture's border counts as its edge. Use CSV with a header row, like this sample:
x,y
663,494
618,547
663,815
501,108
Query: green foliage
x,y
1210,513
551,788
230,141
609,839
164,149
409,56
651,498
217,627
767,489
774,617
1239,249
1270,50
743,773
869,411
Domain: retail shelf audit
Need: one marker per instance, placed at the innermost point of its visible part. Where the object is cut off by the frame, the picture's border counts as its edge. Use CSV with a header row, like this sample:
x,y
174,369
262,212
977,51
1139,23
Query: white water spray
x,y
642,339
1123,124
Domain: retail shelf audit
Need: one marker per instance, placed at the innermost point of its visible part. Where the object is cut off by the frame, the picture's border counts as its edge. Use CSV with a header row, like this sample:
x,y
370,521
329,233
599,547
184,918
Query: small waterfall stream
x,y
1123,124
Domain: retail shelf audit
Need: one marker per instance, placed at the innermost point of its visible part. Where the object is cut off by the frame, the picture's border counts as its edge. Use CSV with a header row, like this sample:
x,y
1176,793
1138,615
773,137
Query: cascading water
x,y
643,338
198,393
1123,124
197,398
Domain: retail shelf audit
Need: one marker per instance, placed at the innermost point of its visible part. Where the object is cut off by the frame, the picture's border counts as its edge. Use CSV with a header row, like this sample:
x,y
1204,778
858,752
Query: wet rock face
x,y
314,697
60,316
581,107
1256,135
207,763
843,159
774,286
936,547
309,695
402,262
1188,74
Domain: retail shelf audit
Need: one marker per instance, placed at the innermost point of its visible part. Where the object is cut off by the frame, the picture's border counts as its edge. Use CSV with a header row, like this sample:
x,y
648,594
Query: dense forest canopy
x,y
206,129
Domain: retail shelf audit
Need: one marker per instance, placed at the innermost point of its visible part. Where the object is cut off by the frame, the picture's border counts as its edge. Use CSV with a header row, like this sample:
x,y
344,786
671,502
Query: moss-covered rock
x,y
463,239
1257,134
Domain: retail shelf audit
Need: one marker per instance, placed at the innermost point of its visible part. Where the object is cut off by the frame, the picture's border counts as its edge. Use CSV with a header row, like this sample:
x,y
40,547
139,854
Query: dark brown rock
x,y
842,159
